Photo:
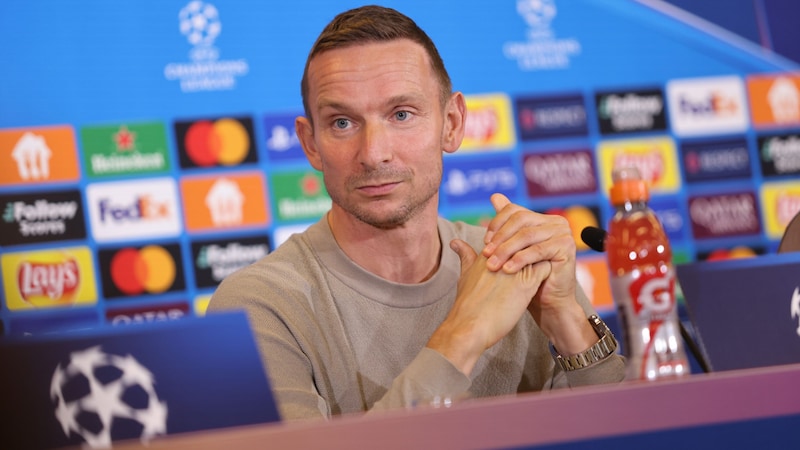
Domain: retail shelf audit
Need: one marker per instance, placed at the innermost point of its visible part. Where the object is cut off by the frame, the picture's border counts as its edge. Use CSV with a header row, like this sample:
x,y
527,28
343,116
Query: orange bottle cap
x,y
628,186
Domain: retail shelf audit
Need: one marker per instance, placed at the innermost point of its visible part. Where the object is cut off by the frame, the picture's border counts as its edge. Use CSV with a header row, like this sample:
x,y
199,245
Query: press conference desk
x,y
754,408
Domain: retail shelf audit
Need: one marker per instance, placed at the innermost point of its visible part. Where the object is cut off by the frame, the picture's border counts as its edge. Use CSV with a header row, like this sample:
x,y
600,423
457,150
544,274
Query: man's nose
x,y
375,146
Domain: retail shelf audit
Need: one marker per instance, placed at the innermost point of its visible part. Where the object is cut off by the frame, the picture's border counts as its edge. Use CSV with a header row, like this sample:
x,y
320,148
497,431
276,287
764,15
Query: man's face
x,y
379,130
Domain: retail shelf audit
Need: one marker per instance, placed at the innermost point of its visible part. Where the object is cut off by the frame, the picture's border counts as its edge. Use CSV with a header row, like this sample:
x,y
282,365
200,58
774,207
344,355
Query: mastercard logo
x,y
579,217
150,269
220,142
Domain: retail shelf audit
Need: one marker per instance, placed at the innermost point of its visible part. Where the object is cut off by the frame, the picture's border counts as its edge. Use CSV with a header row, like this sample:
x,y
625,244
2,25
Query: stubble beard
x,y
419,198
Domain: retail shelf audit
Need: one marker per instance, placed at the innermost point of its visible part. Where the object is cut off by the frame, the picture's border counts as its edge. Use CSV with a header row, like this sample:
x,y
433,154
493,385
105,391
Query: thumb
x,y
499,201
465,253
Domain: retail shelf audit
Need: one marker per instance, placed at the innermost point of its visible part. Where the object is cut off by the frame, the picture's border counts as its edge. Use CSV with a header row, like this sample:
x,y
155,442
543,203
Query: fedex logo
x,y
702,106
143,208
716,104
150,204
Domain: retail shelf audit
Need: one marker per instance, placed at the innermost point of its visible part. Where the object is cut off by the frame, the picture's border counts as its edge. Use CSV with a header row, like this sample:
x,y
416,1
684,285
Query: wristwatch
x,y
605,346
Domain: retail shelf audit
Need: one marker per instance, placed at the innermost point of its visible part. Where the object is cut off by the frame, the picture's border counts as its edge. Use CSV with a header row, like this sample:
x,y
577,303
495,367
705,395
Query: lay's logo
x,y
127,210
780,202
36,155
489,124
655,158
147,270
47,279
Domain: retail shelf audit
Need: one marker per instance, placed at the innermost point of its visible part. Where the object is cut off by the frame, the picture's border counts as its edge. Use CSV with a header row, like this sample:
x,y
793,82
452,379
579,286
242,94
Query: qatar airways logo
x,y
559,173
724,215
134,209
701,106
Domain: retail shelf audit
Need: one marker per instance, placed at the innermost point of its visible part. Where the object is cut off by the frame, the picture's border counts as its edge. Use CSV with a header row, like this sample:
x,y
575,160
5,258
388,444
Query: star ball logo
x,y
226,141
146,270
200,23
99,396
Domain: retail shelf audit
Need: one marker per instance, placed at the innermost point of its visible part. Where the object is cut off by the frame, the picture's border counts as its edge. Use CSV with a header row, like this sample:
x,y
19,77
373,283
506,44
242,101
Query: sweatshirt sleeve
x,y
429,378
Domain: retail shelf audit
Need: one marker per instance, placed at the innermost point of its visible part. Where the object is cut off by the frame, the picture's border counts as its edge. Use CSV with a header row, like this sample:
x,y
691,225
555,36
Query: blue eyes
x,y
343,124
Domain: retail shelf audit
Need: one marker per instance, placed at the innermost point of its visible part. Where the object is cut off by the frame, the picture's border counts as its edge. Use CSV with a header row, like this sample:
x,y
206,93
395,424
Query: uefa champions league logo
x,y
199,22
103,397
537,13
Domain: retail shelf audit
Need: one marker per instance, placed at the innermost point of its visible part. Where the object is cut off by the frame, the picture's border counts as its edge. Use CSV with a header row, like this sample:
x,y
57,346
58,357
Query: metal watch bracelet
x,y
604,347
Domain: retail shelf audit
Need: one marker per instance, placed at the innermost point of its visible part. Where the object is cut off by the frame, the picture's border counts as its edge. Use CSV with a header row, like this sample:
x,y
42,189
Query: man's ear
x,y
305,133
455,118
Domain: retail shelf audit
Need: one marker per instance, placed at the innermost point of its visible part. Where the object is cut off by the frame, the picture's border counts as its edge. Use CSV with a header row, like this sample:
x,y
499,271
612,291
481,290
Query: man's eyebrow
x,y
400,99
332,104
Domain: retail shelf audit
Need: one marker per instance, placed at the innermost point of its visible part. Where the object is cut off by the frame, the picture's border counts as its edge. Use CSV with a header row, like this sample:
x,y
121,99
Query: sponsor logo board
x,y
125,149
571,172
220,142
774,100
231,200
654,157
780,202
551,117
724,215
127,210
141,270
707,106
715,160
631,111
475,180
38,155
41,217
215,260
779,154
300,195
145,314
282,143
489,124
49,278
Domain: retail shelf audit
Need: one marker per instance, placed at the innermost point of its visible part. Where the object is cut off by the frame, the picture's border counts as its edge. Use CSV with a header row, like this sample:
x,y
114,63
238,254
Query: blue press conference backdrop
x,y
148,150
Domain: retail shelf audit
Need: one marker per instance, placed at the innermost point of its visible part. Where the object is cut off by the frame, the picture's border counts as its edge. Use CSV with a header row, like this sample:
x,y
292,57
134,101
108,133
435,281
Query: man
x,y
382,304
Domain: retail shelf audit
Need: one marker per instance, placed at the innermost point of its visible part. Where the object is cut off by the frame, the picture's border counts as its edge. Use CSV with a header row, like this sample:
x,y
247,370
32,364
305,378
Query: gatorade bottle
x,y
643,283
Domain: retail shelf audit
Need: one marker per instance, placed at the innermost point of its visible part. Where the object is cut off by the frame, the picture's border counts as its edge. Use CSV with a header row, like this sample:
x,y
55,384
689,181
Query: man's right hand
x,y
487,306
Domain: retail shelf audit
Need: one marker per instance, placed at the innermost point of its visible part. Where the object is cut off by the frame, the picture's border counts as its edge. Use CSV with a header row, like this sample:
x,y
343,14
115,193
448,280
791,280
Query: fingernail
x,y
490,247
492,262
